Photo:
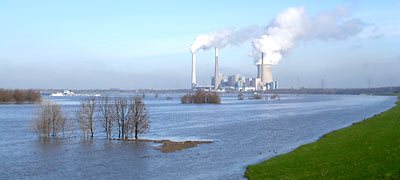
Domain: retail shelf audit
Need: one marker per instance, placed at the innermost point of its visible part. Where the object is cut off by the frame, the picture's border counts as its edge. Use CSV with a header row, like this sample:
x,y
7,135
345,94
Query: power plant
x,y
264,80
275,40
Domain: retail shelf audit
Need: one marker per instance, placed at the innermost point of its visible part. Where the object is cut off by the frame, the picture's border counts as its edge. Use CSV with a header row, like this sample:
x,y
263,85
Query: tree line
x,y
19,96
122,116
201,97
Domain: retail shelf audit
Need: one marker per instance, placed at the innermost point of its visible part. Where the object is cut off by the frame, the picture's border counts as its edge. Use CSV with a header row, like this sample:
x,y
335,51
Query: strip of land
x,y
366,150
170,146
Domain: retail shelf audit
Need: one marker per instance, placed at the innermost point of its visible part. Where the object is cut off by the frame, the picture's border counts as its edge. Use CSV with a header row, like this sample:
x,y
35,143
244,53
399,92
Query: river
x,y
243,132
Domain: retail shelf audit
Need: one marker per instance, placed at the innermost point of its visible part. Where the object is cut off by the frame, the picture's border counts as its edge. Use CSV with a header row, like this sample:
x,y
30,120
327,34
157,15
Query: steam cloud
x,y
223,37
294,25
281,35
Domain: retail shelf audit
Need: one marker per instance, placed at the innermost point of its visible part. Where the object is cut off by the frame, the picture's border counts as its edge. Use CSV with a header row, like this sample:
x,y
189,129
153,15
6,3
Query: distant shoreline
x,y
351,91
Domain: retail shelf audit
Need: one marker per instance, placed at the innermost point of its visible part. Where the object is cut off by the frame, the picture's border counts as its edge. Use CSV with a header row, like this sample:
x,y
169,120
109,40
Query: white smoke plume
x,y
293,25
223,37
282,34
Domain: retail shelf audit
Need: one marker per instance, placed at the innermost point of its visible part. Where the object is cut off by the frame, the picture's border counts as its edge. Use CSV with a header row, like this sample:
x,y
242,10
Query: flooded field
x,y
243,133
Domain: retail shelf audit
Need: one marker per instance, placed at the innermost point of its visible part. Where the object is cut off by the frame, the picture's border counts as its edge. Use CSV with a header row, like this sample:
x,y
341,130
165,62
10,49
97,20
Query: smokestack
x,y
216,76
193,70
262,68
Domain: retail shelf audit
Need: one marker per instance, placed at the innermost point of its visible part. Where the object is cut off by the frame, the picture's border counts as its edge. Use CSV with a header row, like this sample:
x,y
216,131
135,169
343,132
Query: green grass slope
x,y
366,150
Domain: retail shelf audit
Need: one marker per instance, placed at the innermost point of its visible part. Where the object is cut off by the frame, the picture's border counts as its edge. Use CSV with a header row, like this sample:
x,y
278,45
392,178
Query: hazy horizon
x,y
145,45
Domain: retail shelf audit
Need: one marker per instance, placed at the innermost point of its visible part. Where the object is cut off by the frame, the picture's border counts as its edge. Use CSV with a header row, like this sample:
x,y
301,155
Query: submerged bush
x,y
256,96
240,96
201,97
275,96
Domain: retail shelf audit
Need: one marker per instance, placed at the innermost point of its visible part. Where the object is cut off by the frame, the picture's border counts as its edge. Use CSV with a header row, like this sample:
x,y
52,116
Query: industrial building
x,y
263,82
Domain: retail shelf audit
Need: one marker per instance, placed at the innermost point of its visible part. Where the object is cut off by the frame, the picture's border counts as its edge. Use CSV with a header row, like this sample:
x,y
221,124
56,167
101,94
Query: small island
x,y
201,97
170,146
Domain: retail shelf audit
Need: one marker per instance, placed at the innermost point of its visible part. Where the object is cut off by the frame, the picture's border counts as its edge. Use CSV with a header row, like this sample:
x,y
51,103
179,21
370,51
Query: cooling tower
x,y
193,69
264,71
216,75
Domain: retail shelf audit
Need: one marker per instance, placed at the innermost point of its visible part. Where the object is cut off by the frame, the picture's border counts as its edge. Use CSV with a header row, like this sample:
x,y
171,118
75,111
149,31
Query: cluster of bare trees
x,y
126,116
19,96
201,97
129,116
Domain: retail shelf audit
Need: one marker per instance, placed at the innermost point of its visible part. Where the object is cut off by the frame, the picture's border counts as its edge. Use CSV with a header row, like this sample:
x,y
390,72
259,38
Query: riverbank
x,y
366,150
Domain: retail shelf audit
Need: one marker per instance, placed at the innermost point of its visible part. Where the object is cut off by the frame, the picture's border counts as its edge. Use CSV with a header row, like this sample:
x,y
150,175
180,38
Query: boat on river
x,y
70,93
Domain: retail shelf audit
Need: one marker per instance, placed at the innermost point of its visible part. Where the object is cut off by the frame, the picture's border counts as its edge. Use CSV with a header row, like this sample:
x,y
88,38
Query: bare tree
x,y
83,126
107,115
213,98
19,96
138,116
57,119
121,110
86,115
116,115
32,96
70,127
49,120
187,99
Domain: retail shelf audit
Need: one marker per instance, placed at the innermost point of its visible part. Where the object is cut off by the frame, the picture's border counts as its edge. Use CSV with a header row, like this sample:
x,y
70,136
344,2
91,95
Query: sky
x,y
101,44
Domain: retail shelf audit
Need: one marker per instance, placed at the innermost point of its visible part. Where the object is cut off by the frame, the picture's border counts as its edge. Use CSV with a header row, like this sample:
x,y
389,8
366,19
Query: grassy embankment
x,y
367,150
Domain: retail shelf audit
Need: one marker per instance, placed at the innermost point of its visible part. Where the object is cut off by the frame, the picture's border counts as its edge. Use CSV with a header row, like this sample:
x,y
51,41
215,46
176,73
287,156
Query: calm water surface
x,y
244,132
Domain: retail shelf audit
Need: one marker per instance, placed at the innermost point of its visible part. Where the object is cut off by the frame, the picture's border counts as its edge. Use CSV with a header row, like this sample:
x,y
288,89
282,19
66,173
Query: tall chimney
x,y
193,70
262,68
216,76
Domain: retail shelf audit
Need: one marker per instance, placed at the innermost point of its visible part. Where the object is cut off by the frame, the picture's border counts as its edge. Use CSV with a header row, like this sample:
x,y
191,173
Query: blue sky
x,y
145,44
